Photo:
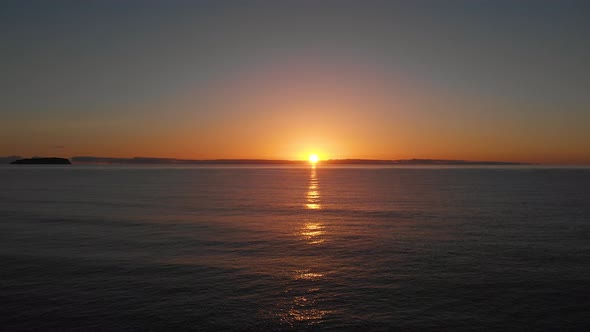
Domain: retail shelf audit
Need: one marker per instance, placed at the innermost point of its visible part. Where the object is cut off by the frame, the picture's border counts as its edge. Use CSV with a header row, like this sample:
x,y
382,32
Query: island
x,y
42,161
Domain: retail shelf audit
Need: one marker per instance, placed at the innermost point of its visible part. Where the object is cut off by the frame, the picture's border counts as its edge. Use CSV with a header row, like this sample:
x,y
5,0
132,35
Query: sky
x,y
474,79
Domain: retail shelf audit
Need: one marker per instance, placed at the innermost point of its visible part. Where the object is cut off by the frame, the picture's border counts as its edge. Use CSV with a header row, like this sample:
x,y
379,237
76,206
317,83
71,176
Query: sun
x,y
313,158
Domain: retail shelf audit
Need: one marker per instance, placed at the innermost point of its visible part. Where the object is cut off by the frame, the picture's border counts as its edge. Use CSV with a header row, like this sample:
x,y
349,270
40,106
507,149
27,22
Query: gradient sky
x,y
474,79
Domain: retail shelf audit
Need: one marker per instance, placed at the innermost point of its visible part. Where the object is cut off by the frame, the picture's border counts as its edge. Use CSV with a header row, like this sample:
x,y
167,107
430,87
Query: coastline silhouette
x,y
147,160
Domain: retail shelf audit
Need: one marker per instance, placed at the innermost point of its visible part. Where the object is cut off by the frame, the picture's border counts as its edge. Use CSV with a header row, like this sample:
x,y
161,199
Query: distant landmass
x,y
41,161
157,161
149,161
420,162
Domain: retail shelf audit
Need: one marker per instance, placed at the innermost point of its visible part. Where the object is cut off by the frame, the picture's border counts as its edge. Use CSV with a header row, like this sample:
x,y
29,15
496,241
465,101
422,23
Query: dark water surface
x,y
259,248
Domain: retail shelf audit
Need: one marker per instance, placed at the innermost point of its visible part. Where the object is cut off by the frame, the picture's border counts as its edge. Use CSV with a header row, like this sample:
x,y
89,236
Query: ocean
x,y
214,248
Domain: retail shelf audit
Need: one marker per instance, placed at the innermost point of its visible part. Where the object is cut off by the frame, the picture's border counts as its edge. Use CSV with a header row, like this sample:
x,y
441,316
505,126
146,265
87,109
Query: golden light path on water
x,y
313,193
306,289
313,230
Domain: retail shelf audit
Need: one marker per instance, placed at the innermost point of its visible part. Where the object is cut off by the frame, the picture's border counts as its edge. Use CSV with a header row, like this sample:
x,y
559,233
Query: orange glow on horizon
x,y
319,110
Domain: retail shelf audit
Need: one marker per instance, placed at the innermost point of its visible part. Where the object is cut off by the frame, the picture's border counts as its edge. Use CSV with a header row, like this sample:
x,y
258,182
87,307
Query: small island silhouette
x,y
42,161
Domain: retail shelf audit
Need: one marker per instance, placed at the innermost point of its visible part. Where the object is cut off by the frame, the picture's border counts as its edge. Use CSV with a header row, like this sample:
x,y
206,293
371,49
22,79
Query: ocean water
x,y
293,248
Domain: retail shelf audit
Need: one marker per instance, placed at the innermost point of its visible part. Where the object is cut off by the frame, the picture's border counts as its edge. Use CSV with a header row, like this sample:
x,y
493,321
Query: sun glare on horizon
x,y
313,158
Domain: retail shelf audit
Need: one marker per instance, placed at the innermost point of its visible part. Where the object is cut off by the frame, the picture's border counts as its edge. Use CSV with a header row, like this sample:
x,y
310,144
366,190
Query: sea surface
x,y
215,248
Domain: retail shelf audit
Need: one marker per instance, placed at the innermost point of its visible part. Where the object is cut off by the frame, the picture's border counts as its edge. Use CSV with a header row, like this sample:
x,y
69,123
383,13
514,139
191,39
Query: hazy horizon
x,y
158,160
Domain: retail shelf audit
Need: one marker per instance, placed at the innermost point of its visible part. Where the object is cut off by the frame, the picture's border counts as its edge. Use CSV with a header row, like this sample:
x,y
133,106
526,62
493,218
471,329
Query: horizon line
x,y
344,161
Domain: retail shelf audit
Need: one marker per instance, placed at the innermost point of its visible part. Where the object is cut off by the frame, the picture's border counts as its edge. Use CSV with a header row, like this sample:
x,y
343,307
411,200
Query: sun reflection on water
x,y
304,298
313,232
306,275
313,193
